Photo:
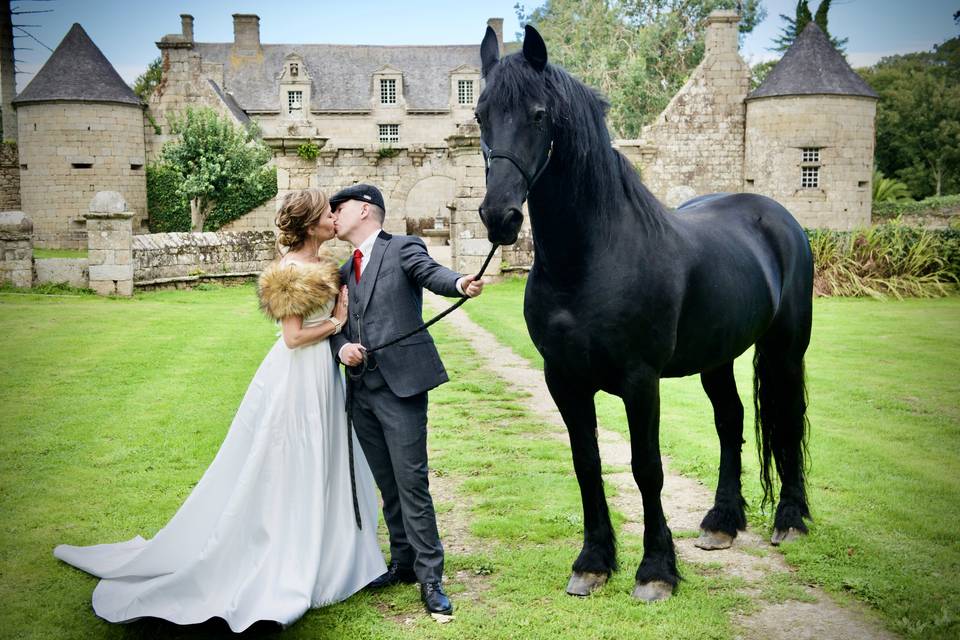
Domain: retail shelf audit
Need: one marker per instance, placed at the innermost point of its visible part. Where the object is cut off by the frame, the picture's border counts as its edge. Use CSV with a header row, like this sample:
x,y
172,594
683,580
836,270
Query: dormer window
x,y
464,81
388,91
295,88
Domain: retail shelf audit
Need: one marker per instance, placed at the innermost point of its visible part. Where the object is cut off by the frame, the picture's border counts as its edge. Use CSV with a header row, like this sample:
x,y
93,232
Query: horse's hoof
x,y
653,591
779,535
713,540
583,584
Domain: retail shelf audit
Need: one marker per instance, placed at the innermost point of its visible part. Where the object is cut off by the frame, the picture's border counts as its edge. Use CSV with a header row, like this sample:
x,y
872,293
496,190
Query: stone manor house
x,y
401,117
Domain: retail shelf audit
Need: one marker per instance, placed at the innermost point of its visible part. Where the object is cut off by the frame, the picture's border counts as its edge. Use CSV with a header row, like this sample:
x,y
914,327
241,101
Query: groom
x,y
385,279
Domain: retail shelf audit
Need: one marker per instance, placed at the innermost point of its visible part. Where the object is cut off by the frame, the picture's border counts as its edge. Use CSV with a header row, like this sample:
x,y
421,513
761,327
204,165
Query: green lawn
x,y
111,409
884,389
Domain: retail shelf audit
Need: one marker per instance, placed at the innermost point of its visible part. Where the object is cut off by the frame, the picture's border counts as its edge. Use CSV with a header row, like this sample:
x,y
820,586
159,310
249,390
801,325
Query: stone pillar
x,y
110,245
16,249
468,237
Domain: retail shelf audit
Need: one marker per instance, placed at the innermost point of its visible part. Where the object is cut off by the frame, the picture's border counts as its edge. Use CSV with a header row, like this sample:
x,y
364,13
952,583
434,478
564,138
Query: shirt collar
x,y
366,247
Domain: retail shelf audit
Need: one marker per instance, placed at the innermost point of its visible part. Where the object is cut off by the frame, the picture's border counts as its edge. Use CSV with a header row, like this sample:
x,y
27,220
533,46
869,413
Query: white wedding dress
x,y
269,531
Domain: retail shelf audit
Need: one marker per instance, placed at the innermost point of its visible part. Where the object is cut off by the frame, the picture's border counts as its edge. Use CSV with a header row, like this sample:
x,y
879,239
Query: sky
x,y
127,30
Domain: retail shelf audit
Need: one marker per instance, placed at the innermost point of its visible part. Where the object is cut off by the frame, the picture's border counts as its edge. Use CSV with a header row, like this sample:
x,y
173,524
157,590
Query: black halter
x,y
490,154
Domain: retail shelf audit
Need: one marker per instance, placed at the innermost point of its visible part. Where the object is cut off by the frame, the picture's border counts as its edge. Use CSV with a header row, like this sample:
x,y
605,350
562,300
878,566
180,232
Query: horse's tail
x,y
781,425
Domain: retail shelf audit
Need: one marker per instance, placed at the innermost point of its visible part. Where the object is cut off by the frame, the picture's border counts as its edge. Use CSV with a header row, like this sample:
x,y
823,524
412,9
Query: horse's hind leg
x,y
657,574
597,559
720,525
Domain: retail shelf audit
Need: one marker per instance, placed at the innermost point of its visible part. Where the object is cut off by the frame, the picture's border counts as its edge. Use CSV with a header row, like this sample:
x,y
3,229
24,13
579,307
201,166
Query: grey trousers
x,y
393,434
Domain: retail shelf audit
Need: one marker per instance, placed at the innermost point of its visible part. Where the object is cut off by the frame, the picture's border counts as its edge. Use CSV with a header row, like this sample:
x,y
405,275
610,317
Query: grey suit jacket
x,y
388,302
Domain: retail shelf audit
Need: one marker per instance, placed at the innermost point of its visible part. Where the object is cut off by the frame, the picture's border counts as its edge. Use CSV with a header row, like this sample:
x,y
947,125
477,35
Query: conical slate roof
x,y
812,66
79,72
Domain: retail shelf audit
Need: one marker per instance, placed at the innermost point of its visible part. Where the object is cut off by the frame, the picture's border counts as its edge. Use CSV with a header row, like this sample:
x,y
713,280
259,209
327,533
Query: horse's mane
x,y
581,141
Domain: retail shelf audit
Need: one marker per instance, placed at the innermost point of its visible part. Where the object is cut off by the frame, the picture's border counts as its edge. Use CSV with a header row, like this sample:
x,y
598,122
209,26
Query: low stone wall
x,y
74,271
16,249
166,258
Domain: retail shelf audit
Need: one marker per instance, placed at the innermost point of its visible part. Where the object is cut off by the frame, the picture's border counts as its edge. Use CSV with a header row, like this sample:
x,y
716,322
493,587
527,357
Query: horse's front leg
x,y
657,575
598,558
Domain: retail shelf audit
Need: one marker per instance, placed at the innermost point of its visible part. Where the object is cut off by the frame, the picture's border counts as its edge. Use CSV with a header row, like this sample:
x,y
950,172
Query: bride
x,y
269,530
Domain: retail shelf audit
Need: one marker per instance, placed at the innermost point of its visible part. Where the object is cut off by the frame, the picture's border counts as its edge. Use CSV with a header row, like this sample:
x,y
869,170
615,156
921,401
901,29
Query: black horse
x,y
624,291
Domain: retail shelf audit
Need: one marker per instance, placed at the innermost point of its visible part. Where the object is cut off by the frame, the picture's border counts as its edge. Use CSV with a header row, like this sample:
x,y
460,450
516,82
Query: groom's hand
x,y
352,354
470,286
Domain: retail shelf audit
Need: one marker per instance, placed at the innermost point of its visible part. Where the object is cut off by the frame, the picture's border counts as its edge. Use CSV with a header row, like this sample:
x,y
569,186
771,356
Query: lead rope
x,y
362,369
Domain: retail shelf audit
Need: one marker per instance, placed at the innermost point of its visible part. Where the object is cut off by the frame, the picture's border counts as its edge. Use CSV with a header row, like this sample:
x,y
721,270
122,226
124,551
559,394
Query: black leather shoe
x,y
435,599
395,574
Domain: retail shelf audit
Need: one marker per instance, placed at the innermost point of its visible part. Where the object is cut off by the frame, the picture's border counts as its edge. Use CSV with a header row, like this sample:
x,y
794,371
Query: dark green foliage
x,y
918,118
308,150
933,205
170,212
799,22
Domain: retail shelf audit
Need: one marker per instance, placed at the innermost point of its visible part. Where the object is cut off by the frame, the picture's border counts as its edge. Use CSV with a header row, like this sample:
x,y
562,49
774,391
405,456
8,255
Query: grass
x,y
59,253
884,484
112,408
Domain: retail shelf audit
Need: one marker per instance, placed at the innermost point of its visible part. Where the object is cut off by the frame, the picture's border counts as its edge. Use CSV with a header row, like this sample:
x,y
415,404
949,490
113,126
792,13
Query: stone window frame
x,y
393,132
294,78
811,161
464,73
388,73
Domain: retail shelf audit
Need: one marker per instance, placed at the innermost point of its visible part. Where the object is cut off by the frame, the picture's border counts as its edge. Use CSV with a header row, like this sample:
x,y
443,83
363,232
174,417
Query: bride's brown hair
x,y
298,210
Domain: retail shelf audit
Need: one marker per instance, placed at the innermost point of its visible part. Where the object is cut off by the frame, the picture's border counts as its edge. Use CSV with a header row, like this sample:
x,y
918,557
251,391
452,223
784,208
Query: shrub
x,y
887,259
168,211
308,151
890,210
888,189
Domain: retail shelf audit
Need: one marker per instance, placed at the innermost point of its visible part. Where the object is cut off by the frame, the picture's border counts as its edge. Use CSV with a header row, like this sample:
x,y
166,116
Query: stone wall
x,y
161,258
73,271
9,177
842,127
16,249
695,146
68,152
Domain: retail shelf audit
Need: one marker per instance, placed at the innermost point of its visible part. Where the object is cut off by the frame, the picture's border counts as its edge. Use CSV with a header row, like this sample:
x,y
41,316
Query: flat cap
x,y
361,192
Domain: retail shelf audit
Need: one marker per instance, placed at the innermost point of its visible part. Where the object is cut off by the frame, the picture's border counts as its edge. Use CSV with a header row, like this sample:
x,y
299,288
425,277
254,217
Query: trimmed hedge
x,y
889,210
168,211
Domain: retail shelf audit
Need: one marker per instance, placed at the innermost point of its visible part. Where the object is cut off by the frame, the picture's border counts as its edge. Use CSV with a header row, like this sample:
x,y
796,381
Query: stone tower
x,y
80,132
8,83
810,136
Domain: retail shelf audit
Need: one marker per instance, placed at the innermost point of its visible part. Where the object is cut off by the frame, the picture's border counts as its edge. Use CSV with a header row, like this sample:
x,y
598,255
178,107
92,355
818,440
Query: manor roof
x,y
342,74
812,65
77,71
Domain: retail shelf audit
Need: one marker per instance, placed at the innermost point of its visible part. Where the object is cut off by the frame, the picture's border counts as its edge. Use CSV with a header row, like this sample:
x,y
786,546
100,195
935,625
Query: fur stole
x,y
297,289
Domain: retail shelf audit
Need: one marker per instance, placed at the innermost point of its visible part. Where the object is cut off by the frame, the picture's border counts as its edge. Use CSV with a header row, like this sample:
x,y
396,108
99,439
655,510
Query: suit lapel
x,y
369,278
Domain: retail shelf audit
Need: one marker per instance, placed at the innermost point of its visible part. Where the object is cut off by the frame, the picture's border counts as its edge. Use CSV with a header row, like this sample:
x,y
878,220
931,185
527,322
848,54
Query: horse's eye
x,y
539,116
476,116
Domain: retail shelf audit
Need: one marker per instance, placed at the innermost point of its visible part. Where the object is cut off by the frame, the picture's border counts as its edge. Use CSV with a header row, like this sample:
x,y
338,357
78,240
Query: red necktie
x,y
357,258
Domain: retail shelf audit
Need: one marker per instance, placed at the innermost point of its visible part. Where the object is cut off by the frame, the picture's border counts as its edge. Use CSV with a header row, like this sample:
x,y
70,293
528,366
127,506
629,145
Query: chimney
x,y
723,32
186,26
246,32
497,25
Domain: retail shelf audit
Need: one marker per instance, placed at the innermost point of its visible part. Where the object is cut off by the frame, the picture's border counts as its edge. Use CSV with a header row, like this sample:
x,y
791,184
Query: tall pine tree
x,y
798,23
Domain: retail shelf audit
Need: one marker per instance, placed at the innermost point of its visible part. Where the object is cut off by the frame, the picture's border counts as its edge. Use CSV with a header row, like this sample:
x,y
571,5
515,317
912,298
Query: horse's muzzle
x,y
502,228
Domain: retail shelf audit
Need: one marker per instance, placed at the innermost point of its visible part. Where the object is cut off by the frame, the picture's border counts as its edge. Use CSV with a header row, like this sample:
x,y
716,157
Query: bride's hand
x,y
340,310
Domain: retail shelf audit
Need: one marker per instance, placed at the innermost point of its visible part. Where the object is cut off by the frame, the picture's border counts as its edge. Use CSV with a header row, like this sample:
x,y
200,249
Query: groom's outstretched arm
x,y
430,274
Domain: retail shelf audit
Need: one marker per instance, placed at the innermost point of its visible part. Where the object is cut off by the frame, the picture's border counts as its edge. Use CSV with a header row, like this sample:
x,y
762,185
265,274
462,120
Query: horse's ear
x,y
489,51
534,48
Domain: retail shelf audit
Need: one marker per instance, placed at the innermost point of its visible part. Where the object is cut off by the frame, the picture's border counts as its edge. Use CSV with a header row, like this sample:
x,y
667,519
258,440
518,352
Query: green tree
x,y
213,160
888,189
801,19
636,52
146,82
918,118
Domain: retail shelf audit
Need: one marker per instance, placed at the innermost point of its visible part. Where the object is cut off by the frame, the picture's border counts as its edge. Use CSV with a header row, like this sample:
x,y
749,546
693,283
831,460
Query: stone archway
x,y
429,197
